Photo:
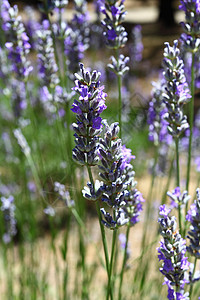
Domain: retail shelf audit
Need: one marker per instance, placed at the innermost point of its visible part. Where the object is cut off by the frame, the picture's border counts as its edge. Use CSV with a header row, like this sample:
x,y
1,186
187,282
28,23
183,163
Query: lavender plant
x,y
136,47
190,40
17,40
99,149
193,217
117,187
172,252
46,57
116,37
177,94
88,108
176,91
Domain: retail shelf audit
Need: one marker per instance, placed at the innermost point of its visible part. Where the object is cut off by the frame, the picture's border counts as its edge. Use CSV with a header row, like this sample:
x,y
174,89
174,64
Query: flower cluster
x,y
117,188
177,198
18,95
191,27
32,26
17,40
119,66
136,46
158,132
115,33
172,252
88,107
8,209
176,90
74,49
46,57
195,139
63,194
193,216
80,20
116,36
22,141
76,37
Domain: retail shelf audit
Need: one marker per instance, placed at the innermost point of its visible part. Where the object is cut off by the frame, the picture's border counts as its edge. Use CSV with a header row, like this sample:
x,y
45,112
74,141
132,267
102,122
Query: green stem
x,y
119,81
191,286
191,120
177,163
168,181
149,198
103,236
178,182
119,84
110,280
123,263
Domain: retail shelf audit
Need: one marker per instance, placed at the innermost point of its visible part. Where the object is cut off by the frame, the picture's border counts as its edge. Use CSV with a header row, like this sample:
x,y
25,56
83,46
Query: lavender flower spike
x,y
116,36
176,90
46,57
17,40
117,188
193,216
172,252
158,132
88,107
191,26
178,198
115,33
8,208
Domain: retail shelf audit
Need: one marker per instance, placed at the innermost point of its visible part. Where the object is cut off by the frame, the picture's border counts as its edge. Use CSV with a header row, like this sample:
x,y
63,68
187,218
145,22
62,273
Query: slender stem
x,y
119,84
178,182
110,282
191,286
168,180
149,198
119,81
123,263
103,236
191,120
177,163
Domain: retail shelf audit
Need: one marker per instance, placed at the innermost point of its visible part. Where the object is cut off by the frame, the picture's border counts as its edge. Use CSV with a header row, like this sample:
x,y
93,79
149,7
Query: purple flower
x,y
111,35
136,46
88,107
97,123
17,41
164,211
190,37
193,216
158,132
177,198
75,47
127,156
49,210
176,90
118,188
172,252
115,33
46,57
